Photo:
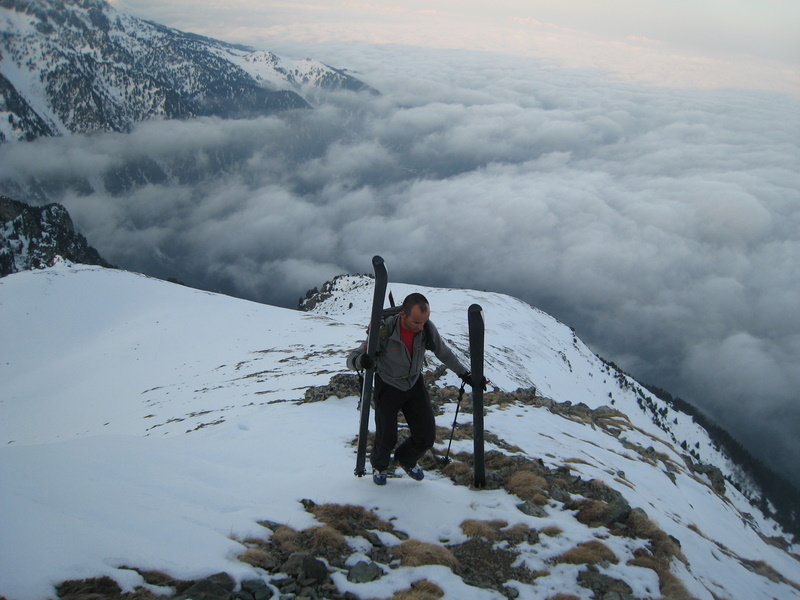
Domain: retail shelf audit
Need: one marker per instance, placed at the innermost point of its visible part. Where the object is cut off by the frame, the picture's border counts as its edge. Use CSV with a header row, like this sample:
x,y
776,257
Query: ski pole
x,y
446,459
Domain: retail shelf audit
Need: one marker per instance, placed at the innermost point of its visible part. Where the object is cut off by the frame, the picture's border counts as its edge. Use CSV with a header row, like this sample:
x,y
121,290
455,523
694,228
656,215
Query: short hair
x,y
413,300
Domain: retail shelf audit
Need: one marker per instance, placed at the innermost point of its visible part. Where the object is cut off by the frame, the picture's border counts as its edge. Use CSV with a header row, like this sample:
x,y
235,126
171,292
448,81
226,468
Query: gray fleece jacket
x,y
395,365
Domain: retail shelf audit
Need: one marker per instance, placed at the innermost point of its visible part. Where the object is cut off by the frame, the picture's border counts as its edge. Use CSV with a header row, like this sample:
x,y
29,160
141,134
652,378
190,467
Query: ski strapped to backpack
x,y
381,282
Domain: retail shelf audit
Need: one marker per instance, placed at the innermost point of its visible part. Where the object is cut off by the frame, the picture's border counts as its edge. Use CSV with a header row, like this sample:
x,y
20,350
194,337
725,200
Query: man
x,y
399,386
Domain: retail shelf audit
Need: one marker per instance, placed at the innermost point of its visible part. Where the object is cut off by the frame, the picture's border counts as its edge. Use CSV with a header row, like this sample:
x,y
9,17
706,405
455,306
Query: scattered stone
x,y
559,494
484,565
99,586
364,572
255,589
223,580
342,385
532,509
205,589
603,586
307,568
713,473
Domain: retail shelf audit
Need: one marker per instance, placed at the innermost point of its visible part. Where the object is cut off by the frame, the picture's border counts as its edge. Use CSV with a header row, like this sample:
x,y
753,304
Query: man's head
x,y
415,313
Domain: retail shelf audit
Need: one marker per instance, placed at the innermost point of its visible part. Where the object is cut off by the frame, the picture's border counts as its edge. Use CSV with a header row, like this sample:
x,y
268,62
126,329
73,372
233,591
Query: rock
x,y
618,510
31,237
533,510
223,580
257,589
604,586
99,586
306,568
560,495
364,572
205,589
342,385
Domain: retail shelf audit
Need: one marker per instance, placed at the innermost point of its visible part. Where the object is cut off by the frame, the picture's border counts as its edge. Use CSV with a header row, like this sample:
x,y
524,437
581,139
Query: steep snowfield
x,y
145,424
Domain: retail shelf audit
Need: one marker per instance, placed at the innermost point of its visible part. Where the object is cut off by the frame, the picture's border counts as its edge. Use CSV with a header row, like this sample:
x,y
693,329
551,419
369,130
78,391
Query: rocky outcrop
x,y
31,237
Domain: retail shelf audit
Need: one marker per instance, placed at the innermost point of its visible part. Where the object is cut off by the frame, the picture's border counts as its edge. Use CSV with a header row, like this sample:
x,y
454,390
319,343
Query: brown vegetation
x,y
528,486
414,553
420,590
588,553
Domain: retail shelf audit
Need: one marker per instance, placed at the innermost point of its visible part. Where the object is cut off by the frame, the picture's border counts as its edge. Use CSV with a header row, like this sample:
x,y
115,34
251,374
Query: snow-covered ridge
x,y
526,347
145,424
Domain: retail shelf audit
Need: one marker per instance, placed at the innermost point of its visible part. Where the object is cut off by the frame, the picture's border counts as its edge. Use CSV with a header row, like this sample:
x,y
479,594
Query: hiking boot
x,y
379,477
414,472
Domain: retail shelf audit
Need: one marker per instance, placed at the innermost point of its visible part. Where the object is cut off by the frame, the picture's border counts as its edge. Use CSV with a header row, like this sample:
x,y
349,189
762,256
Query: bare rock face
x,y
31,237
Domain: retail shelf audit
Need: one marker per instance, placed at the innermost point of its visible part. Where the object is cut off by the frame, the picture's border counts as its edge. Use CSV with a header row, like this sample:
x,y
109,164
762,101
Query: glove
x,y
466,377
365,362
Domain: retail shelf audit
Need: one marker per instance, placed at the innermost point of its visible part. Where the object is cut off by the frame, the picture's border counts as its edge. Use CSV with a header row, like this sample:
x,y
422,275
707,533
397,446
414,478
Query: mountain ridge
x,y
79,66
178,410
37,237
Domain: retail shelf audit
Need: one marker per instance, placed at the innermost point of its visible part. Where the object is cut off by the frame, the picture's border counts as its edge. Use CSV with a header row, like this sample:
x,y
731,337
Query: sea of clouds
x,y
663,224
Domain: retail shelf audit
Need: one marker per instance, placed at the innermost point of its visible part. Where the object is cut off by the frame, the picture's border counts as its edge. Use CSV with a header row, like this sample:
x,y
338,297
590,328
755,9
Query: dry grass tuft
x,y
457,469
414,553
287,539
765,570
528,486
158,578
760,567
588,553
640,526
489,530
672,588
327,539
96,588
563,597
495,461
349,519
645,561
259,558
551,531
498,530
420,590
443,434
591,513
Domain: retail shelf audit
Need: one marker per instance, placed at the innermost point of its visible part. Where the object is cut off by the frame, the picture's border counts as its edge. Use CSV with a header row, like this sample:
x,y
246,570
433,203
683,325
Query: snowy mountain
x,y
76,66
157,440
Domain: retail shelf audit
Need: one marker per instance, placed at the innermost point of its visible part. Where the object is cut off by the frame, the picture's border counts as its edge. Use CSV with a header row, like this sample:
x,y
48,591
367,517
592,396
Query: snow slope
x,y
147,424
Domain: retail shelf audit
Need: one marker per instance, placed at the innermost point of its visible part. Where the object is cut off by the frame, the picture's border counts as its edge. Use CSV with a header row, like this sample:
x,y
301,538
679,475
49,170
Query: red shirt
x,y
408,339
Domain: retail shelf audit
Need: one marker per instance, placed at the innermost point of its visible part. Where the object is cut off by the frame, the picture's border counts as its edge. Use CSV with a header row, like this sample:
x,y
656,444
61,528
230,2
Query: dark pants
x,y
416,407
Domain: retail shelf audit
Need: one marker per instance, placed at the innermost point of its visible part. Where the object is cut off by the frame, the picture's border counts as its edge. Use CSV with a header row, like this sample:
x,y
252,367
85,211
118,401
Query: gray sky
x,y
595,164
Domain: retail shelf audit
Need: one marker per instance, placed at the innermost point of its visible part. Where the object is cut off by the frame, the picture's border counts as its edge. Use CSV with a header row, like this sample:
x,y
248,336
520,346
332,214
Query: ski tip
x,y
377,260
475,308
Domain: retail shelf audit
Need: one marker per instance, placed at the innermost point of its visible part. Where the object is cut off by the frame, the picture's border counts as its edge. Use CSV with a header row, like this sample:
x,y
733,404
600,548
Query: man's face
x,y
416,320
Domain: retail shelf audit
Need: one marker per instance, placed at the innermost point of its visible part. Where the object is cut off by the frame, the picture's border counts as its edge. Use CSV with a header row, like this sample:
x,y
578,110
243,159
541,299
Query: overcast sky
x,y
632,170
702,43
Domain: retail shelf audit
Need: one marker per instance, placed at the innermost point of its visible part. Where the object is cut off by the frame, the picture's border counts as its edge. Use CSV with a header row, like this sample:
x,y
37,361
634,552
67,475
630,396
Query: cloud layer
x,y
663,225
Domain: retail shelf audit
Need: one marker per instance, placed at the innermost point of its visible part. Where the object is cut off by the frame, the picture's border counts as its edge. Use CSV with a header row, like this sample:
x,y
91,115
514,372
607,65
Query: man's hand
x,y
365,362
466,377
